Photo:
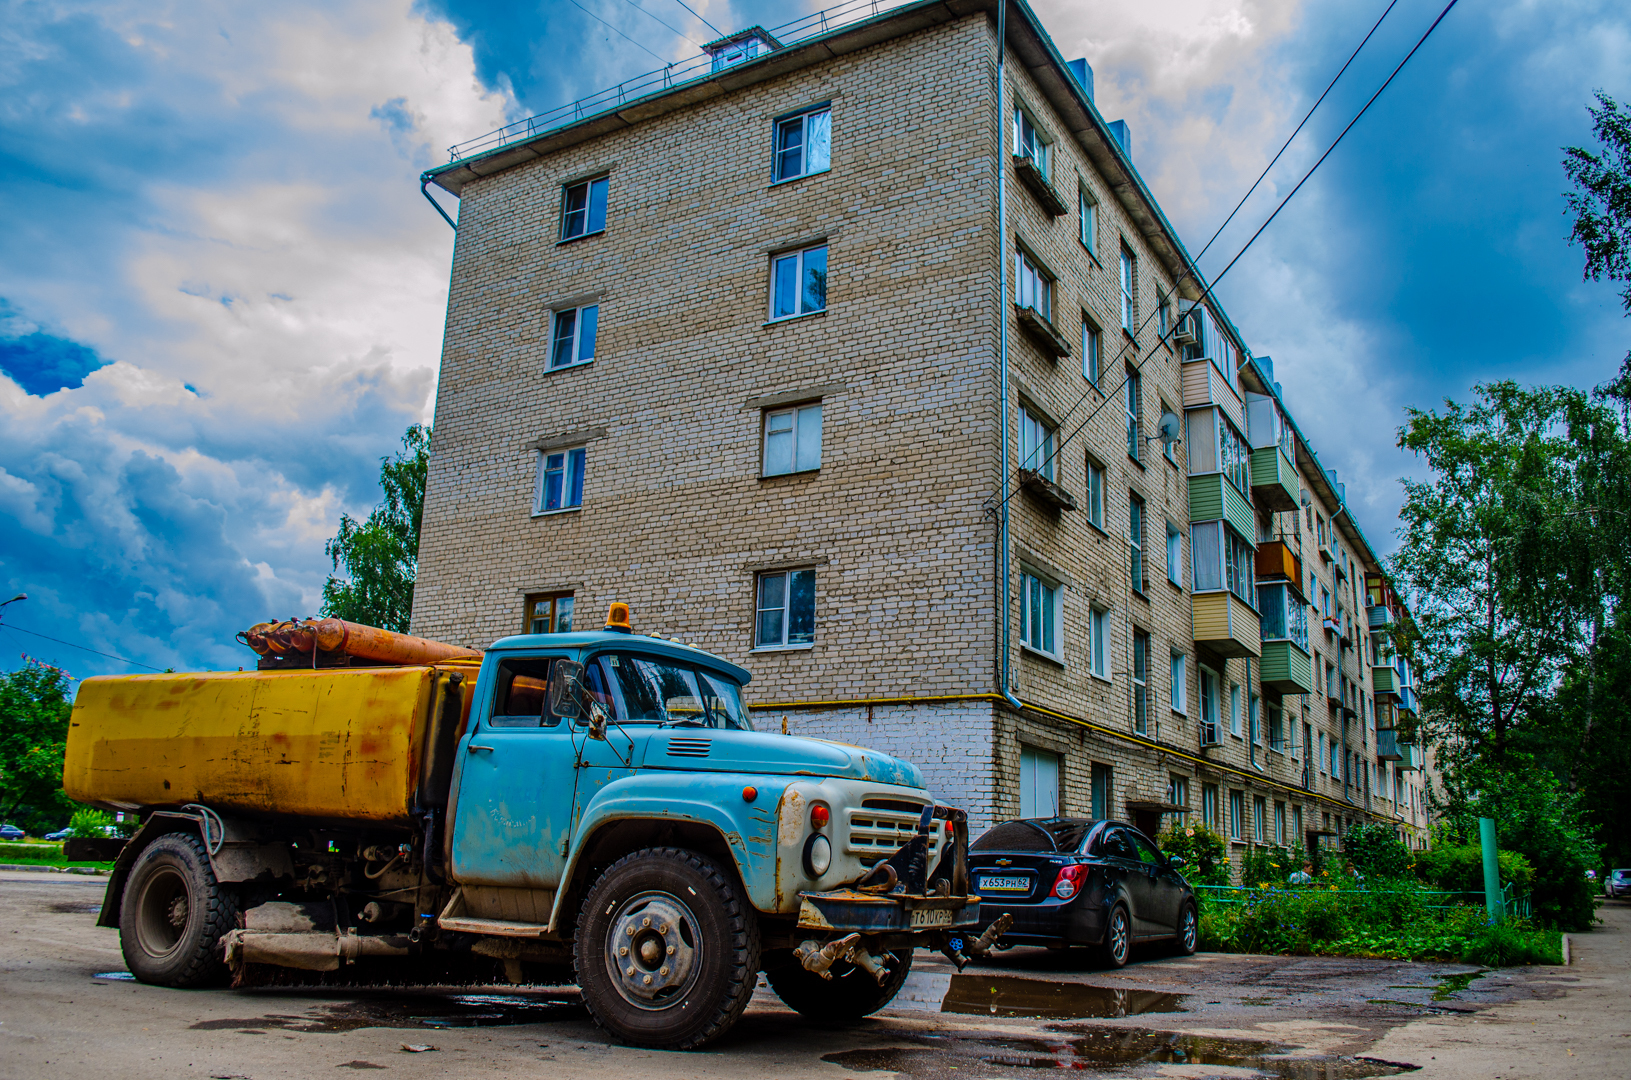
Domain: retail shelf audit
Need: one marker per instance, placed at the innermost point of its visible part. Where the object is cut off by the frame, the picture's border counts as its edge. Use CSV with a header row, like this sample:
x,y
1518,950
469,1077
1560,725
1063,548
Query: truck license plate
x,y
930,917
1005,884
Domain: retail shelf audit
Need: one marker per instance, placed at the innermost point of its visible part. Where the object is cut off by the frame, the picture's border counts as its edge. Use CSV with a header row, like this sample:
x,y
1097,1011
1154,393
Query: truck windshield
x,y
650,690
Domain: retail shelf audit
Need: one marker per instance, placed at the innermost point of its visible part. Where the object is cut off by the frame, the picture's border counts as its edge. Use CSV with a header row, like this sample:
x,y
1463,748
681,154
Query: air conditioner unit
x,y
1188,330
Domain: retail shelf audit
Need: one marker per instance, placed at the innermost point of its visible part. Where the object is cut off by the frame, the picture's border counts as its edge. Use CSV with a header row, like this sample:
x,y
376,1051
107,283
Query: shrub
x,y
1204,852
1460,868
1376,851
1268,865
87,822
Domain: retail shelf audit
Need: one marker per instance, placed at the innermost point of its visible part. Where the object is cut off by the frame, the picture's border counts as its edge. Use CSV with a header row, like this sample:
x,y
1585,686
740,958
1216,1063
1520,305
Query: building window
x,y
1163,314
1035,444
1095,493
1129,313
1210,706
786,609
560,480
804,144
1134,403
1297,824
1260,813
1234,709
1180,683
1237,811
799,283
574,337
1087,227
1038,783
1141,680
1032,287
1091,341
1099,621
1029,143
1100,791
1280,823
1178,795
1209,805
1175,555
1319,757
792,440
1135,540
548,613
1039,615
1254,732
583,208
1277,728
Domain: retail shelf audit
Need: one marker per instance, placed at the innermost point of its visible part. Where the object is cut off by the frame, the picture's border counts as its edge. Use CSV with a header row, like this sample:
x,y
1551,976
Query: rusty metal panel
x,y
335,743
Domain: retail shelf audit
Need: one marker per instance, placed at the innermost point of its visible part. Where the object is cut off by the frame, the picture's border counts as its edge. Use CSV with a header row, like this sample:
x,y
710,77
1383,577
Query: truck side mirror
x,y
566,691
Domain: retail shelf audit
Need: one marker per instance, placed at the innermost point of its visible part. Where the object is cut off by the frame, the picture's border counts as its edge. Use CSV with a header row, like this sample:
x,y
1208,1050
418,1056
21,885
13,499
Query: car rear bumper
x,y
1073,922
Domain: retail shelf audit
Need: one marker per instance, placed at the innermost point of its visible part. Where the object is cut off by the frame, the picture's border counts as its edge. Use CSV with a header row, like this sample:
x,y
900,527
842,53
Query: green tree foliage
x,y
1204,851
88,822
1377,853
1459,868
34,707
1601,200
380,556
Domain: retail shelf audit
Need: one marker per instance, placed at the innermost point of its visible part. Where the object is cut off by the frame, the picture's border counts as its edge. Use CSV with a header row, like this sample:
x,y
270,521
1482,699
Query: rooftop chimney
x,y
1123,135
1084,76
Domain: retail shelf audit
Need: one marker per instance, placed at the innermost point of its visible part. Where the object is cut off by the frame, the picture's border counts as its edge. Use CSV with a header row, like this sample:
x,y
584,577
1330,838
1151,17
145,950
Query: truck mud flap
x,y
872,913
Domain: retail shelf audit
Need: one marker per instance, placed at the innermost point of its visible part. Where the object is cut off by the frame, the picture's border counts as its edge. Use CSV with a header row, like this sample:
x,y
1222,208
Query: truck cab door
x,y
517,773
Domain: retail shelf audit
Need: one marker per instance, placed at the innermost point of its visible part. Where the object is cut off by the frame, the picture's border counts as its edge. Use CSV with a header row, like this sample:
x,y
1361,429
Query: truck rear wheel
x,y
173,914
849,995
666,950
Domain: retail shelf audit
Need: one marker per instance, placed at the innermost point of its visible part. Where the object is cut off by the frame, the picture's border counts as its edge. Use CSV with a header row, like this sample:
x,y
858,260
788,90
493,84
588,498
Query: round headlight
x,y
817,855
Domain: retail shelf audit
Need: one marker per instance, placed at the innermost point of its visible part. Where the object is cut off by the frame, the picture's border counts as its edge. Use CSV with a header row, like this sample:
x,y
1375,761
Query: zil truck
x,y
592,808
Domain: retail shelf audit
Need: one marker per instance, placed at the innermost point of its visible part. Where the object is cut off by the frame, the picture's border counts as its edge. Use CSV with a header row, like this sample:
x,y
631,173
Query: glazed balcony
x,y
1276,560
1286,669
1387,745
1381,617
1274,479
1385,682
1226,624
1409,757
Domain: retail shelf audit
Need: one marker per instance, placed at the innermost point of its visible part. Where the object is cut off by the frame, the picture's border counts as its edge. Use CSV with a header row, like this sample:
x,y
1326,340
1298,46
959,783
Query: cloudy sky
x,y
221,294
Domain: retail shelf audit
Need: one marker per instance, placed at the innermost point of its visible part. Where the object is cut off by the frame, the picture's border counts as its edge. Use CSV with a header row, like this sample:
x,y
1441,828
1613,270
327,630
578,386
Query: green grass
x,y
41,853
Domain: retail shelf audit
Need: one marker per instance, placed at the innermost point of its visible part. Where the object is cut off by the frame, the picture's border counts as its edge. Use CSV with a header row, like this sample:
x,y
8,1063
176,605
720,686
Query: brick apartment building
x,y
844,354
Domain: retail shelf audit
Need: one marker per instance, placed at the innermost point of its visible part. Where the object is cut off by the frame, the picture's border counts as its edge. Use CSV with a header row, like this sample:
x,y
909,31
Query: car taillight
x,y
1068,882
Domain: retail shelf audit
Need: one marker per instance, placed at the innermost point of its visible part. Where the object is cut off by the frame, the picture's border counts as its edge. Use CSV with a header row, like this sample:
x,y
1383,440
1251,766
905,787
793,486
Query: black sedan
x,y
1077,881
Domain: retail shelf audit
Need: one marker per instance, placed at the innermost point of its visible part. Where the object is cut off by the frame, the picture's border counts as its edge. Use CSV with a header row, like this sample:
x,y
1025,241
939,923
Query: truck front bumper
x,y
848,910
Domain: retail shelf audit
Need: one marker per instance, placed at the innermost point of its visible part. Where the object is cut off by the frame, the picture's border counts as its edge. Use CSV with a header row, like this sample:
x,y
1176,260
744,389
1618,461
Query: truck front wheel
x,y
849,995
174,913
667,949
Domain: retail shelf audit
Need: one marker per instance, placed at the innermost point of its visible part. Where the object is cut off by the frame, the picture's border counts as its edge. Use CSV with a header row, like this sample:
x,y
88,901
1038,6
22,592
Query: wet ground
x,y
67,1008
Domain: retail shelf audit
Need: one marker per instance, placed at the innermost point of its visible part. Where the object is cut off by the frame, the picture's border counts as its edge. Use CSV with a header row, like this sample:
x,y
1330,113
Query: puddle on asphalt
x,y
1010,996
416,1011
1093,1048
77,907
115,976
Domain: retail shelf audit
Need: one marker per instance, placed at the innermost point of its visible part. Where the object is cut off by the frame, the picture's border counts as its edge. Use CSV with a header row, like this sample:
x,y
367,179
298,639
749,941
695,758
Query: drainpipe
x,y
1002,352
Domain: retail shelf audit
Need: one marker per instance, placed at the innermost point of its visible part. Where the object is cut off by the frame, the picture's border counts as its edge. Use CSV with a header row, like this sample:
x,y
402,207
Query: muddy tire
x,y
667,949
1189,931
1118,938
173,914
849,995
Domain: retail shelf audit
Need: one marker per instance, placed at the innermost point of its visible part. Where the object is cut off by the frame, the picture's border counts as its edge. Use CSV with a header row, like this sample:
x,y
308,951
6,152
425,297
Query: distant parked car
x,y
60,834
1079,881
11,832
1618,884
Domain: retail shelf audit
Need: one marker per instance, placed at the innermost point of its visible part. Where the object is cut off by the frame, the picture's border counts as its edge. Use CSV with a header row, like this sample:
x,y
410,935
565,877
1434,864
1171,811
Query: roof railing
x,y
663,79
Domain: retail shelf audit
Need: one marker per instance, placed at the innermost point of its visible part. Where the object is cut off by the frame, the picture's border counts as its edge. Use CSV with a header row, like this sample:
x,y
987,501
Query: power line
x,y
615,30
705,22
1139,366
82,648
681,33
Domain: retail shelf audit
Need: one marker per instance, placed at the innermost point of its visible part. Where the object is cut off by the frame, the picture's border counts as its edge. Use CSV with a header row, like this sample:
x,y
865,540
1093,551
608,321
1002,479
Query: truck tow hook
x,y
820,958
980,947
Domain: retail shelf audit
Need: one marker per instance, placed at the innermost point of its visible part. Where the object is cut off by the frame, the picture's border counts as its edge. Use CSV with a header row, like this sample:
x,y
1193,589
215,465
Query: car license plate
x,y
1006,884
930,917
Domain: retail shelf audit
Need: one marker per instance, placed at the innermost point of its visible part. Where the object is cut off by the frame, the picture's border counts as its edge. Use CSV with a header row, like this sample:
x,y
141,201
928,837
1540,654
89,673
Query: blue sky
x,y
221,295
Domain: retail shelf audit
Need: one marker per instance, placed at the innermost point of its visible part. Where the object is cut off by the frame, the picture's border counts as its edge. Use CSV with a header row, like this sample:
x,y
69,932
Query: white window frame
x,y
1211,705
785,640
1032,284
1087,225
1140,679
1036,439
603,183
1092,351
815,120
1178,695
1209,805
1237,813
1137,566
572,460
1260,813
1129,291
1235,701
804,450
798,258
1175,554
1030,141
1133,407
1035,629
574,343
1095,492
1040,788
1099,643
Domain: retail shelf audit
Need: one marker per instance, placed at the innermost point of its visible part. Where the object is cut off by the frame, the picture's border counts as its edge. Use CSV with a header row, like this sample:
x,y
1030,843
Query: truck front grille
x,y
875,833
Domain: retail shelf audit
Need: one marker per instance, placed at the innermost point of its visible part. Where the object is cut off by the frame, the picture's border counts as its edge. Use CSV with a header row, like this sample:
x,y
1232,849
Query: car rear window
x,y
1034,834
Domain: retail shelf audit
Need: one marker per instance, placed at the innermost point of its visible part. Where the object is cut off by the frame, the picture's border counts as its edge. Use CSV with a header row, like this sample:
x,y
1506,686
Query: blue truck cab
x,y
610,795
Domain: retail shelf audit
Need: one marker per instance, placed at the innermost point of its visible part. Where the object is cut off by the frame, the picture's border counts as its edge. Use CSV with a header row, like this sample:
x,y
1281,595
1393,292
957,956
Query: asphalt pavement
x,y
67,1009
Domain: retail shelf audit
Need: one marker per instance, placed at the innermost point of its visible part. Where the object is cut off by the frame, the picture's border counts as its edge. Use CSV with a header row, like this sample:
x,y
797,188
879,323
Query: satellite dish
x,y
1169,427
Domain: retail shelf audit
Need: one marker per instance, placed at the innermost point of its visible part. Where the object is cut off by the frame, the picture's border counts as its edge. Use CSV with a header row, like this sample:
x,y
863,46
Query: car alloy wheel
x,y
1188,931
1117,937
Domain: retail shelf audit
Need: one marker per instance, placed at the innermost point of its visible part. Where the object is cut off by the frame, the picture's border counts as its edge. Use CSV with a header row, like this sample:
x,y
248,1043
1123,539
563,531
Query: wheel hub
x,y
653,950
178,912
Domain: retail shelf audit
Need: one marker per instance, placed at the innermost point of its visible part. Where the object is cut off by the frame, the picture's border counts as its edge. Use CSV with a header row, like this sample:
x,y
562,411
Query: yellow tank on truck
x,y
339,743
